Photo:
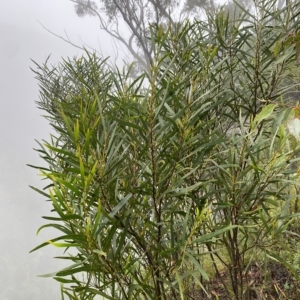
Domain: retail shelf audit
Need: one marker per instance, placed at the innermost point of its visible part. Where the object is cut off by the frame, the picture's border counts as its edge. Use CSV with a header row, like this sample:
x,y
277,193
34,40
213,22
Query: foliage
x,y
137,15
188,167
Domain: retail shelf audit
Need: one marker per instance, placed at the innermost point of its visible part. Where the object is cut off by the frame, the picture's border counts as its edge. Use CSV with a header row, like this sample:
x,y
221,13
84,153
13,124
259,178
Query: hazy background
x,y
22,38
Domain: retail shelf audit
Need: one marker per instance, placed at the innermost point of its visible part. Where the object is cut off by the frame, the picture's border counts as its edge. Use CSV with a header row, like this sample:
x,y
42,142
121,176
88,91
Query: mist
x,y
23,39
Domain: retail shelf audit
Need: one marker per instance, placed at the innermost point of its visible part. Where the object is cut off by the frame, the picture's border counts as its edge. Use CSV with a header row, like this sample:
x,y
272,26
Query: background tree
x,y
158,182
137,15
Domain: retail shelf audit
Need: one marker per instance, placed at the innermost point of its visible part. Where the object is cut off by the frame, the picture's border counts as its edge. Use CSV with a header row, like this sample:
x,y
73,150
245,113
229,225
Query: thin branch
x,y
116,35
136,33
162,10
88,46
67,40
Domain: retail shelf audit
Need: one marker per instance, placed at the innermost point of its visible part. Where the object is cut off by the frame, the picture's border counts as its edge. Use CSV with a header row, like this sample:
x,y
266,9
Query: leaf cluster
x,y
156,180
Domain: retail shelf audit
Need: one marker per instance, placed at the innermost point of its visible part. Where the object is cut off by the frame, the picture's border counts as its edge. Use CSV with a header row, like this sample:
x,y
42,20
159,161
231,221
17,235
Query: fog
x,y
23,38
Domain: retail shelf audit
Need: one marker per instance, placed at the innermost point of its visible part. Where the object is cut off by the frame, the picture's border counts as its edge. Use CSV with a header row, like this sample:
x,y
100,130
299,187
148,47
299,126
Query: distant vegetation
x,y
183,182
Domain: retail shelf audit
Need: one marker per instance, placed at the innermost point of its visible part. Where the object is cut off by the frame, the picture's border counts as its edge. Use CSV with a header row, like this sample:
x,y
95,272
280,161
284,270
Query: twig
x,y
67,40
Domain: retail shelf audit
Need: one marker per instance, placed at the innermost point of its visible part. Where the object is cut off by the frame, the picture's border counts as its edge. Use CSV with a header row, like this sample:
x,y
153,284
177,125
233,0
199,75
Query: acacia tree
x,y
155,182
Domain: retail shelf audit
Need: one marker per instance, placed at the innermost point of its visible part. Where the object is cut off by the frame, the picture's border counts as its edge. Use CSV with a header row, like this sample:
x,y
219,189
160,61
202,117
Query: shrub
x,y
188,167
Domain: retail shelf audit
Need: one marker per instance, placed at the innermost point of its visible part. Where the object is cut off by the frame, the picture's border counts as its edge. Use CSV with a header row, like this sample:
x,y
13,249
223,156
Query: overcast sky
x,y
22,38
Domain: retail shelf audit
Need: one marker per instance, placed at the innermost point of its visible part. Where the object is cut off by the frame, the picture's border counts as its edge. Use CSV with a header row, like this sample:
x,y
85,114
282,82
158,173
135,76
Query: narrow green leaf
x,y
208,237
265,113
